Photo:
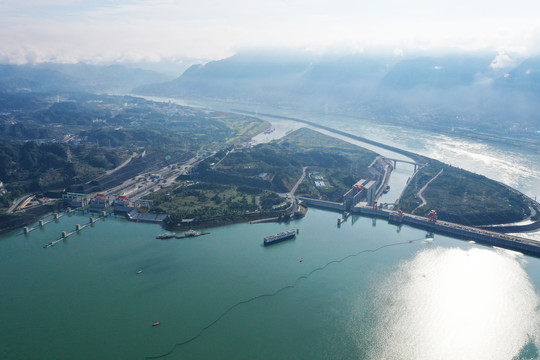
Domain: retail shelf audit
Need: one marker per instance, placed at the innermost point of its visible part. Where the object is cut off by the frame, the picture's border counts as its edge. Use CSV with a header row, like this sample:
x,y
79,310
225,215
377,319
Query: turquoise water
x,y
442,298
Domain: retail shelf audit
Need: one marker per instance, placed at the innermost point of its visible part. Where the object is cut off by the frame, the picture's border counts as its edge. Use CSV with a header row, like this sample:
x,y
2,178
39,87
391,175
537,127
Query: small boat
x,y
156,323
138,272
302,259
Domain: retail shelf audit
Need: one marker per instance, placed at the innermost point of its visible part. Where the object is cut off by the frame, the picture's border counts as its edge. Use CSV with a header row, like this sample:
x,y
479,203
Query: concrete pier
x,y
42,223
78,228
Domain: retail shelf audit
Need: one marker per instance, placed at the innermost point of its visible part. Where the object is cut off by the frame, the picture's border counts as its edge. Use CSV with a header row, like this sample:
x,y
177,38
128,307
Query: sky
x,y
104,31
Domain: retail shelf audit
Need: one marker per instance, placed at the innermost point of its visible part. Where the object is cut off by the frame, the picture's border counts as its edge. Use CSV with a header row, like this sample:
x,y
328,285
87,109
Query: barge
x,y
186,234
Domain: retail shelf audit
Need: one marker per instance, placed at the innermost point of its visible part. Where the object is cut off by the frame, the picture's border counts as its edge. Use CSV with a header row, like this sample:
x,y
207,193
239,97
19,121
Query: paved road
x,y
136,189
293,190
108,172
424,202
16,203
292,198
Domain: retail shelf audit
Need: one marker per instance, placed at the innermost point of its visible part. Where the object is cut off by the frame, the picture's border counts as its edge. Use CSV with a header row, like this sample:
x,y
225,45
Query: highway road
x,y
143,184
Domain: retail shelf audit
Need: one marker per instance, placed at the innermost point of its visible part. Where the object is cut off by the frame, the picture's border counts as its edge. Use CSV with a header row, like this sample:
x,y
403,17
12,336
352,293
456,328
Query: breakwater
x,y
42,223
78,227
409,154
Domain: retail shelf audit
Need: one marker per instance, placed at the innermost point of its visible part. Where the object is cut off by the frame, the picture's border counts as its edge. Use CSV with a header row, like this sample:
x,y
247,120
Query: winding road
x,y
293,190
424,202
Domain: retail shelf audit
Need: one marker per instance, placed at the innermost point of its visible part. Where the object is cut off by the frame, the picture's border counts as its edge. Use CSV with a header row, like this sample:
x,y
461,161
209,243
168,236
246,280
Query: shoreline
x,y
30,216
241,220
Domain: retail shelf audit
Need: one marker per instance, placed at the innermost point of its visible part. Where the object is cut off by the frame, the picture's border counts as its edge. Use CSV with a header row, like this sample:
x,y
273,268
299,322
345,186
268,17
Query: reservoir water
x,y
366,290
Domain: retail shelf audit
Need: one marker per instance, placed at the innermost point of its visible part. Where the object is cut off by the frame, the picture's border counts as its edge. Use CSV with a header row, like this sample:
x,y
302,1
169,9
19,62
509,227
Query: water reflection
x,y
457,304
515,168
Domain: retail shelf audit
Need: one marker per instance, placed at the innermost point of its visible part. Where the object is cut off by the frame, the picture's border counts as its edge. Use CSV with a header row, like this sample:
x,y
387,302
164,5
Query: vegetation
x,y
29,167
278,166
214,204
120,121
341,164
49,142
463,197
241,184
71,140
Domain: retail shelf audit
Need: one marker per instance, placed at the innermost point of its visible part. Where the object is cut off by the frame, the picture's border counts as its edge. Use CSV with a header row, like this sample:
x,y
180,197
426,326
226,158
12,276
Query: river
x,y
365,290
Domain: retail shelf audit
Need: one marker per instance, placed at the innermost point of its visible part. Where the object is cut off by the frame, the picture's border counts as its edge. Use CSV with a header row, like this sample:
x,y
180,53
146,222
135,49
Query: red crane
x,y
432,216
358,187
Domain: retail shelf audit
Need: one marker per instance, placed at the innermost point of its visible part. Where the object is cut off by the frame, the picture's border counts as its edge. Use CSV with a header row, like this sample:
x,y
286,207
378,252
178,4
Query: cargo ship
x,y
272,239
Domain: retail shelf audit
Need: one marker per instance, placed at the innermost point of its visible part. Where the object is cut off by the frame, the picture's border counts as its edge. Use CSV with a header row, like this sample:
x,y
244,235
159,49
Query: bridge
x,y
395,161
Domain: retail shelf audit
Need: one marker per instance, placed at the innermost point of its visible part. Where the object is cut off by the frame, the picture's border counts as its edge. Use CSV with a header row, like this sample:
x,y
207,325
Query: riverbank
x,y
10,222
245,219
413,156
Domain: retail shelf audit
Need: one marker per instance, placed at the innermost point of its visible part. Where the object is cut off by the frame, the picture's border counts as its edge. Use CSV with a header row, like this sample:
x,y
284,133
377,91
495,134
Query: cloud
x,y
502,61
72,30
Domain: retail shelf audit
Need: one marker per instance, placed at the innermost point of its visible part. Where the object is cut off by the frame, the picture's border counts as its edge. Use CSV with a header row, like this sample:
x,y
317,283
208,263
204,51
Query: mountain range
x,y
51,77
468,91
457,90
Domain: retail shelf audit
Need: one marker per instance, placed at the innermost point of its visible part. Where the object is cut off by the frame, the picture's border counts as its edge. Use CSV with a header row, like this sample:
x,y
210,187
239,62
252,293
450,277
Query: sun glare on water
x,y
457,304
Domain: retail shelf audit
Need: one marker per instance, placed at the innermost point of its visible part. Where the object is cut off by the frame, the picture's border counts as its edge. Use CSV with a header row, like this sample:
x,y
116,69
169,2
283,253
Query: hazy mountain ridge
x,y
524,77
328,72
458,90
49,77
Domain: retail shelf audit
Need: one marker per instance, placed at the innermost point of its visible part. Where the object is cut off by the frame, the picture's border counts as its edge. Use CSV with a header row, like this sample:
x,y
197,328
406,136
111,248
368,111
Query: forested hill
x,y
29,167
